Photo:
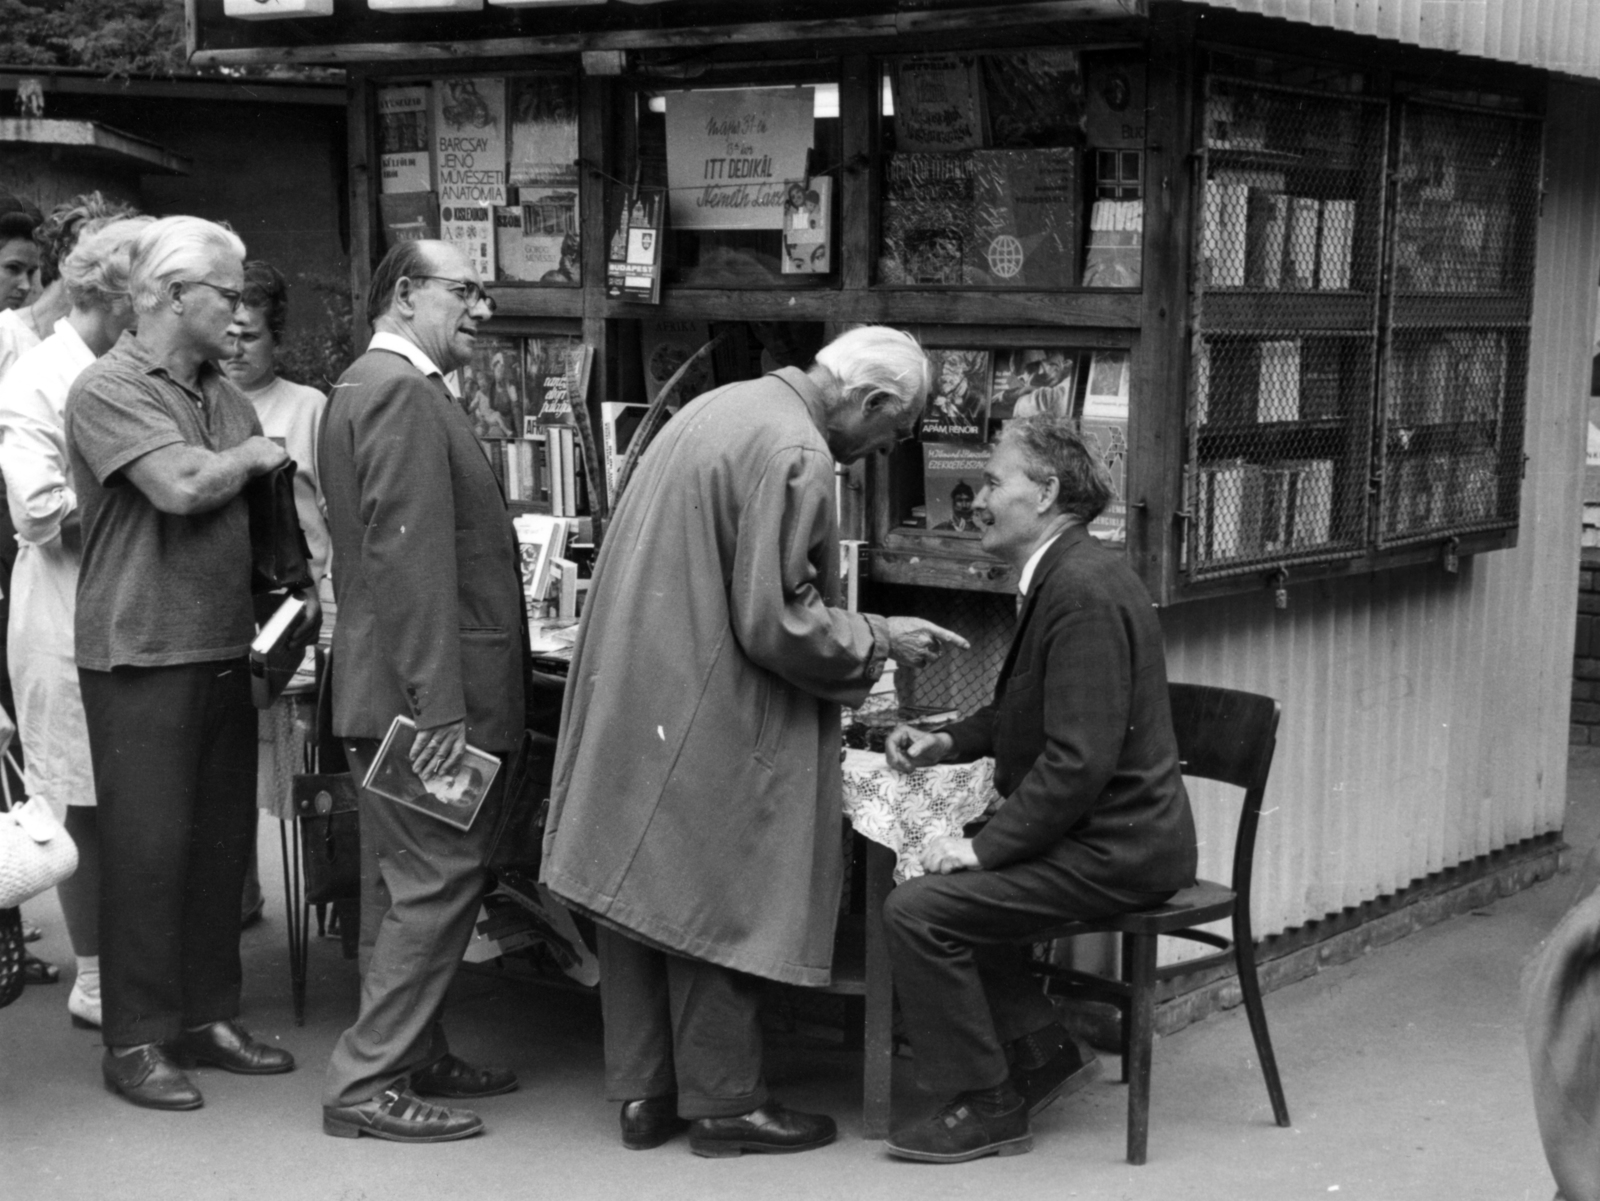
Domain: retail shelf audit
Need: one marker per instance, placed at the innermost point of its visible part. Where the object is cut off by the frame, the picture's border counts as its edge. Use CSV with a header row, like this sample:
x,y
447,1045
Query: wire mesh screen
x,y
1456,355
1288,249
958,679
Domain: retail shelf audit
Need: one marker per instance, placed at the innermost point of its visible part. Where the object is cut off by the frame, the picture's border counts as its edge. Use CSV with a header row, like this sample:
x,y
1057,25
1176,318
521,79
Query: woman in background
x,y
44,508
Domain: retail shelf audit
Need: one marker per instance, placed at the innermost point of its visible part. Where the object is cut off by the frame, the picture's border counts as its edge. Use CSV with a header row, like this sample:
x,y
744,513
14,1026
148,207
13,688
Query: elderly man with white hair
x,y
695,808
161,446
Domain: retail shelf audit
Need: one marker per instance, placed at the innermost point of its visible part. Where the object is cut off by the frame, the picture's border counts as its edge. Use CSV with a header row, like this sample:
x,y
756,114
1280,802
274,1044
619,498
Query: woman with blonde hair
x,y
43,506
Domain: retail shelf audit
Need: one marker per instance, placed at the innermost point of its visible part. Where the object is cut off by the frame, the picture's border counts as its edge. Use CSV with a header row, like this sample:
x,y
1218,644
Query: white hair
x,y
879,359
172,249
95,273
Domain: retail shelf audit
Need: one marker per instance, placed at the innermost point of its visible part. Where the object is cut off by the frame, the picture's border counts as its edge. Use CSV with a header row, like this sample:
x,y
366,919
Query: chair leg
x,y
1138,1037
294,915
1244,951
877,1068
1125,1026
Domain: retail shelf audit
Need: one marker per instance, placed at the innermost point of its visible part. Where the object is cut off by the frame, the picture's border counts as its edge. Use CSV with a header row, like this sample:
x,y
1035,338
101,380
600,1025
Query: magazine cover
x,y
807,211
492,387
958,405
403,157
558,377
1028,382
952,477
453,797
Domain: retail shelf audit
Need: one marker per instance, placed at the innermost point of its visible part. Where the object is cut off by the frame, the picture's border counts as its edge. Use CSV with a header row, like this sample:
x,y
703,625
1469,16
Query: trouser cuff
x,y
692,1105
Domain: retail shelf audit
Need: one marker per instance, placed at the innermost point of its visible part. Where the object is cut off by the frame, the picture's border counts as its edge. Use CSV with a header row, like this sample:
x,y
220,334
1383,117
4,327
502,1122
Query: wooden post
x,y
365,229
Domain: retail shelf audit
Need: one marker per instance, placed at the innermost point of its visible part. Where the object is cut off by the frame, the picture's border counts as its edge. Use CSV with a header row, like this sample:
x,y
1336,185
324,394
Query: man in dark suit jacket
x,y
429,627
1095,819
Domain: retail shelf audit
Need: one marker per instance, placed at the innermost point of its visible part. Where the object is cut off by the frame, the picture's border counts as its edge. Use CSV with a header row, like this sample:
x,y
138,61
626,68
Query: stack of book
x,y
1254,234
1249,510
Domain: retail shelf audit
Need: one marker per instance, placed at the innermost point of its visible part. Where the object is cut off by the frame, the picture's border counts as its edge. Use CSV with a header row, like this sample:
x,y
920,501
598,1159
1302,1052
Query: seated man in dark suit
x,y
1095,819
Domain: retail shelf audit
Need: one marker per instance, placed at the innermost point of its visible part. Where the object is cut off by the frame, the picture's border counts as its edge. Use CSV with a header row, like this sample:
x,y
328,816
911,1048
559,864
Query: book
x,y
1228,507
541,538
1106,395
1312,523
958,403
543,146
492,387
273,655
564,586
408,217
1109,438
938,102
470,228
554,446
665,344
1025,219
405,163
1225,224
1027,382
558,377
551,247
453,797
1301,235
469,141
1278,396
572,498
508,242
1033,97
1319,379
1115,254
1266,219
807,220
1335,244
619,421
1114,99
927,219
633,260
952,477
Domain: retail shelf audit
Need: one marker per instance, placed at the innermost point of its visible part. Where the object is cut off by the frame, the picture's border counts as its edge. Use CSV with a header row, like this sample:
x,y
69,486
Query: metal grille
x,y
1286,277
958,679
1455,363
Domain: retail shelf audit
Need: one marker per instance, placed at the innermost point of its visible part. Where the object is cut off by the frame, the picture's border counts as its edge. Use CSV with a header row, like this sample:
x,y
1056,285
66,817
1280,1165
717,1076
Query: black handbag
x,y
326,802
279,557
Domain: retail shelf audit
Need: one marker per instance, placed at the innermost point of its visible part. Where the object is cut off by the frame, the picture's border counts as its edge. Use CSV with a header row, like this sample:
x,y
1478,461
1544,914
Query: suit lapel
x,y
1058,550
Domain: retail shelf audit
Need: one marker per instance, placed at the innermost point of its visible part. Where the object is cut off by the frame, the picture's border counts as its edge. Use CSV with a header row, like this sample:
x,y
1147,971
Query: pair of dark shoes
x,y
770,1129
991,1121
400,1115
153,1075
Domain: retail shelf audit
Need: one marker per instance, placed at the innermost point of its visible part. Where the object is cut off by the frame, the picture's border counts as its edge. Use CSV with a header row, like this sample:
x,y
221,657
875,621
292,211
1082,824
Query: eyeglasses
x,y
233,297
469,293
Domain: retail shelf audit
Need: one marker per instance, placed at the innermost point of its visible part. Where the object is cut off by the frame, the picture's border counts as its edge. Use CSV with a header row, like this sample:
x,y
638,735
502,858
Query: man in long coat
x,y
695,806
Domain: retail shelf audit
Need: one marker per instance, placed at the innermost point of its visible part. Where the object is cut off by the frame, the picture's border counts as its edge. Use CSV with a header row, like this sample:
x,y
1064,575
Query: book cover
x,y
551,249
958,404
1229,511
1311,521
1225,224
1029,382
492,387
405,163
559,502
1302,232
1335,244
618,423
1033,98
1115,254
938,102
1114,100
544,131
1106,395
633,259
665,344
807,218
408,217
273,656
952,477
508,242
469,141
1025,219
1278,396
558,377
453,797
927,219
572,495
470,228
1109,437
541,539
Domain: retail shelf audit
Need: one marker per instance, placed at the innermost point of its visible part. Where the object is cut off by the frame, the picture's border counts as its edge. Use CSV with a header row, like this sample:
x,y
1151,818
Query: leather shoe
x,y
649,1122
1052,1074
772,1128
227,1045
969,1126
448,1076
400,1116
147,1076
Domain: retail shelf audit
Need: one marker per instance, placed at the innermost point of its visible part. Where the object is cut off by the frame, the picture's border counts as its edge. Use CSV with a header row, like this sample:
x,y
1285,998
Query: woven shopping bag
x,y
36,852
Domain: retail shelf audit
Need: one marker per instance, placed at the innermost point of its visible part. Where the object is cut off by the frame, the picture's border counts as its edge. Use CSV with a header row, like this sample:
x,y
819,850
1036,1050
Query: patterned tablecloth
x,y
905,812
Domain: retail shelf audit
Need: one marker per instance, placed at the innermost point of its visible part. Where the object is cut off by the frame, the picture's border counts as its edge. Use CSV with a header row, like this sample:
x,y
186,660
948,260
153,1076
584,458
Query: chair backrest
x,y
1228,736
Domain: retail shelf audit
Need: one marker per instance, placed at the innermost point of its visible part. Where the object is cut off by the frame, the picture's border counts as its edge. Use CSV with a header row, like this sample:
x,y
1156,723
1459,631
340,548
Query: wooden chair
x,y
1222,735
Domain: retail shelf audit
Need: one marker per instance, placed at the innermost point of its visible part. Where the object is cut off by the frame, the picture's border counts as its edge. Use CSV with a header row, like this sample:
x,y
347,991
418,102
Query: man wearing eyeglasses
x,y
430,617
162,445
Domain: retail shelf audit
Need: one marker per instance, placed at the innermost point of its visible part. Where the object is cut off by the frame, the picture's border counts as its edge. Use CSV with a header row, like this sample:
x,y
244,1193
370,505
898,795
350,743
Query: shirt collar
x,y
1033,562
136,352
412,353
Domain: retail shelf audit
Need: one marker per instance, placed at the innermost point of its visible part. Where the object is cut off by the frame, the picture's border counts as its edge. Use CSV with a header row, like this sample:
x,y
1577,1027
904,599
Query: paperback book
x,y
633,260
1033,97
558,377
938,102
404,161
469,137
958,404
1025,219
1030,382
408,217
493,388
453,797
544,131
952,477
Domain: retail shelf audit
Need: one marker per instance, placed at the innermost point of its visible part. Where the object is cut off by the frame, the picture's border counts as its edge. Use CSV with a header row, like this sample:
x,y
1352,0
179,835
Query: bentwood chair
x,y
1222,735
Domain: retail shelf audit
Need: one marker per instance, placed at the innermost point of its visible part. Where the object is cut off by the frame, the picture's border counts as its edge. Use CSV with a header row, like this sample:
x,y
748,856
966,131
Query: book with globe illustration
x,y
1025,219
453,797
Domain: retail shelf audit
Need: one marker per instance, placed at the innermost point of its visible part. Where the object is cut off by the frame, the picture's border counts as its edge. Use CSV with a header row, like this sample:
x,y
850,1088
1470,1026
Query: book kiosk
x,y
1284,275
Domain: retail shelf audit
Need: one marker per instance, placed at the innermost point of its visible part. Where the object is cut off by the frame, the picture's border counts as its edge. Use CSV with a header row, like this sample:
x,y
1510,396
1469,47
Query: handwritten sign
x,y
730,153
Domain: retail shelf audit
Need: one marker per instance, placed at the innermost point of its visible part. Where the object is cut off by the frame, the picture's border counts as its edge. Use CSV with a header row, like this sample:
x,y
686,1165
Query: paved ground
x,y
1405,1075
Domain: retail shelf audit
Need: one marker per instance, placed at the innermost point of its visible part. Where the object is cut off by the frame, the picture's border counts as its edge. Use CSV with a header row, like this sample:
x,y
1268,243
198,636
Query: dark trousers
x,y
963,985
680,1026
421,884
174,753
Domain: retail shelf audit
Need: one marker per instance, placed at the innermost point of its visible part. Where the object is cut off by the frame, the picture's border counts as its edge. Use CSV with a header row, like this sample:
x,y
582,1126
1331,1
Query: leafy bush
x,y
317,353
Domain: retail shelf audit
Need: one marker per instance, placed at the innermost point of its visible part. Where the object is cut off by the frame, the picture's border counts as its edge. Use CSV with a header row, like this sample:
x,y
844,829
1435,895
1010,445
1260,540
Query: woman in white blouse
x,y
39,493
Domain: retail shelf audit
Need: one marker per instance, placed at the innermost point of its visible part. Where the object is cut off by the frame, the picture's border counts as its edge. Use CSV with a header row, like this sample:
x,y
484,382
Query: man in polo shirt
x,y
430,628
161,446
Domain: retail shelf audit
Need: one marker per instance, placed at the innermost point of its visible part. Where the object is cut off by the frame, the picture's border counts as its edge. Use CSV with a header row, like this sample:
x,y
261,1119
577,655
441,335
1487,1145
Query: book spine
x,y
1336,244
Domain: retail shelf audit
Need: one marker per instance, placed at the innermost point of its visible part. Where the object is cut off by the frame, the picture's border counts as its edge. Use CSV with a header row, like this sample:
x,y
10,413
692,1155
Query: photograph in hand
x,y
453,796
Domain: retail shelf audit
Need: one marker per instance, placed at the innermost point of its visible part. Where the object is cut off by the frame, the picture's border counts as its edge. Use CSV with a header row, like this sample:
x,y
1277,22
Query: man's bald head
x,y
408,260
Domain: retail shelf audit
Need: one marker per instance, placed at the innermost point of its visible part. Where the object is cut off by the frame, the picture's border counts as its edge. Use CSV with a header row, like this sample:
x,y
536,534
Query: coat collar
x,y
1069,541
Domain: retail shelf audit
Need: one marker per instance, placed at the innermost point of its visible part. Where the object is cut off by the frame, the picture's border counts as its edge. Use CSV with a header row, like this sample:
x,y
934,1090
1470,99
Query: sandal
x,y
31,933
37,971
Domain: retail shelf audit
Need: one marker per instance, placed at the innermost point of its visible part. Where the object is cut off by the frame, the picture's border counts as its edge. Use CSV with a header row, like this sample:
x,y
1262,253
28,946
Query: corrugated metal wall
x,y
1558,35
1425,715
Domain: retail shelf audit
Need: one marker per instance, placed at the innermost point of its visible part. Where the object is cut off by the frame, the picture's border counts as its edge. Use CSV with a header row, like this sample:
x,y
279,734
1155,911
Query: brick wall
x,y
1586,652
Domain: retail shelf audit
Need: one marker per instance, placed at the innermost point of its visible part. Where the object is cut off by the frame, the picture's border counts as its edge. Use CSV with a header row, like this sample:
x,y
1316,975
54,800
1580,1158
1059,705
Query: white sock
x,y
89,974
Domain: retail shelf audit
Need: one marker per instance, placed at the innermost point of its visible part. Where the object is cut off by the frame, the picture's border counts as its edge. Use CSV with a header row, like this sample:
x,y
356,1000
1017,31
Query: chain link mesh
x,y
962,680
1456,360
1286,277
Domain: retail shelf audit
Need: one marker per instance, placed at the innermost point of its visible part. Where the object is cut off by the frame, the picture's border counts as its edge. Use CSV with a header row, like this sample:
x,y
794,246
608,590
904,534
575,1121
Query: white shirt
x,y
33,439
410,351
16,338
291,414
1033,561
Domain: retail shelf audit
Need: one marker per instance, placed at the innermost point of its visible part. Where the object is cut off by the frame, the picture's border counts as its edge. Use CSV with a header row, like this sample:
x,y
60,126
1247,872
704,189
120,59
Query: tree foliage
x,y
117,37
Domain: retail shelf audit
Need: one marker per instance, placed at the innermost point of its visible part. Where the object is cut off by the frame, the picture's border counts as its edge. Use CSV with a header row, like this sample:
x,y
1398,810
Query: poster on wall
x,y
730,153
469,135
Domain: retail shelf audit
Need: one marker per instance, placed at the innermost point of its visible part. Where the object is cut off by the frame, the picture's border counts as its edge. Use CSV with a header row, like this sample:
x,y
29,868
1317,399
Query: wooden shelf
x,y
939,568
1305,314
1103,309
